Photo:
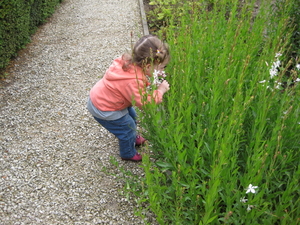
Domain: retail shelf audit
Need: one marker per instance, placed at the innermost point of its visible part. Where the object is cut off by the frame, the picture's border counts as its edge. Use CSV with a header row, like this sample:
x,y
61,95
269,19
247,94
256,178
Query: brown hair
x,y
148,49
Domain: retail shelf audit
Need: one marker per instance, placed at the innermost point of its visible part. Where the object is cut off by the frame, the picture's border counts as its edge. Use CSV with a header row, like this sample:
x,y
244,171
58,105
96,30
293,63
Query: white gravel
x,y
52,152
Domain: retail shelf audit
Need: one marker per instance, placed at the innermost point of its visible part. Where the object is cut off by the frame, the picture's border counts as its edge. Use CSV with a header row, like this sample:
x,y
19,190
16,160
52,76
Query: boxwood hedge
x,y
19,19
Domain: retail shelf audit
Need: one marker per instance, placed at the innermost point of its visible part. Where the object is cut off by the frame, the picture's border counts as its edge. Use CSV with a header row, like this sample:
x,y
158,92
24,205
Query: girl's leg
x,y
139,139
132,113
125,130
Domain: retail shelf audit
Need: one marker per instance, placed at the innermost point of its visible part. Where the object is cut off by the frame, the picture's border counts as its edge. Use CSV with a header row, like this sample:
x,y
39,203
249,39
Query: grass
x,y
225,123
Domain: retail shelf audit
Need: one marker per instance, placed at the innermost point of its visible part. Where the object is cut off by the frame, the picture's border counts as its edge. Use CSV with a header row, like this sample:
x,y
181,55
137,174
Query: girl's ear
x,y
148,66
147,69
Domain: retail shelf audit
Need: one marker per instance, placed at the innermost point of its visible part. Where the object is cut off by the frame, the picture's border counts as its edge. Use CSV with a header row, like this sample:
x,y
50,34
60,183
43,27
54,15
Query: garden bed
x,y
226,139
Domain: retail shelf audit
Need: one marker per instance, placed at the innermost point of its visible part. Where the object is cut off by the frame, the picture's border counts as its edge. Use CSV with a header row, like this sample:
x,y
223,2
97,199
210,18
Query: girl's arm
x,y
136,93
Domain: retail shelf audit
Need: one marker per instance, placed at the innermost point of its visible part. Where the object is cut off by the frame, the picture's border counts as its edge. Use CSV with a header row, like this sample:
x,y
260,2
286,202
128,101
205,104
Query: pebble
x,y
52,152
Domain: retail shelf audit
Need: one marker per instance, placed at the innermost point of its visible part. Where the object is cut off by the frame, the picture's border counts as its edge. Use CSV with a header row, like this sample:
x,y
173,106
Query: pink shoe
x,y
137,157
139,140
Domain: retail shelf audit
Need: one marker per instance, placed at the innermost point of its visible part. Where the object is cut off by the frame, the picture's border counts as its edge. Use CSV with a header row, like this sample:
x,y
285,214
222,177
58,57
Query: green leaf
x,y
152,3
165,165
212,219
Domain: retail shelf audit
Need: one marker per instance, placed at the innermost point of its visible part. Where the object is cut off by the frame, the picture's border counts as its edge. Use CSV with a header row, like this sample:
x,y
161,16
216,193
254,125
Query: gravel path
x,y
53,155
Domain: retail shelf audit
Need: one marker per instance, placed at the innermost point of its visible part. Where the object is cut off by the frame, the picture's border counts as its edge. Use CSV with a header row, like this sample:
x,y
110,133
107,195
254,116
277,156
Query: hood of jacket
x,y
116,72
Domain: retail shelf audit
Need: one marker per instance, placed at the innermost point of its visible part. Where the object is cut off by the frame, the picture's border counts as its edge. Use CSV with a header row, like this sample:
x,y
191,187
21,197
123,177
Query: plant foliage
x,y
228,122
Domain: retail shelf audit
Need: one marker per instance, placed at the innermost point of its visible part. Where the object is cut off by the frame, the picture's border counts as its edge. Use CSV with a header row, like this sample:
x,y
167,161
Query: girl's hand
x,y
164,87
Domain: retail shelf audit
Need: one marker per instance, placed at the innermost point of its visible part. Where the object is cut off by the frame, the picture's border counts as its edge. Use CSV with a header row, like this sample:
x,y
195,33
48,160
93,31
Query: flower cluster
x,y
275,66
249,189
158,77
274,72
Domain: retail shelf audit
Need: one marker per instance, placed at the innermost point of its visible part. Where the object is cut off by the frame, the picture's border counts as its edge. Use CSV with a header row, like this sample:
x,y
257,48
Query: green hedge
x,y
19,20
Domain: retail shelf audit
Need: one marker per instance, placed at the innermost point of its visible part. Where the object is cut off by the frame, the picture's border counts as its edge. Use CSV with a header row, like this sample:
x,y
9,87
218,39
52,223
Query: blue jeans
x,y
125,130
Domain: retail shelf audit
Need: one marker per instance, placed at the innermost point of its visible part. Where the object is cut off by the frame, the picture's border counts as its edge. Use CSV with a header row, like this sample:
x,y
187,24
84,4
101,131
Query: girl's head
x,y
150,51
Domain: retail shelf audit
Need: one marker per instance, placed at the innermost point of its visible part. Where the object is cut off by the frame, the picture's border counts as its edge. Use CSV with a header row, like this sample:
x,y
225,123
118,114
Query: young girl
x,y
124,85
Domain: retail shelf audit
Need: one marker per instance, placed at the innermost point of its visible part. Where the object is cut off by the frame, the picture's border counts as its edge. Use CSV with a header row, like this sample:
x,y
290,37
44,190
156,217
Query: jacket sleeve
x,y
136,93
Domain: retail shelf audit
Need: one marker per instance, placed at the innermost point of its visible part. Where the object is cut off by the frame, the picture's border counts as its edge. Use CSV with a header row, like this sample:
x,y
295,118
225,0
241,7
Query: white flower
x,y
156,75
156,81
276,64
278,86
159,73
298,79
249,207
298,66
243,200
251,189
273,72
261,82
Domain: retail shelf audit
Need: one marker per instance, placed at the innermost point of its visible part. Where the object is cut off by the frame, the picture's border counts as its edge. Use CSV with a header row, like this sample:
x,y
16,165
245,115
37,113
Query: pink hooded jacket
x,y
119,89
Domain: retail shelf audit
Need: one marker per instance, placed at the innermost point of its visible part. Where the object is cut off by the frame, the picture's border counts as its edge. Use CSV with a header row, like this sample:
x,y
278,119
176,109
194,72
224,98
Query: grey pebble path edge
x,y
52,153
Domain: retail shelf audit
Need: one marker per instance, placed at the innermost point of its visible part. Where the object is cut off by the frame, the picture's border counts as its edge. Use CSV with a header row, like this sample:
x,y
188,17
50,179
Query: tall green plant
x,y
225,142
